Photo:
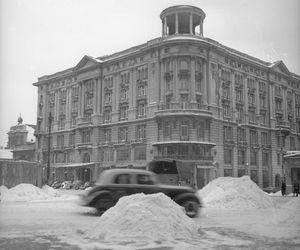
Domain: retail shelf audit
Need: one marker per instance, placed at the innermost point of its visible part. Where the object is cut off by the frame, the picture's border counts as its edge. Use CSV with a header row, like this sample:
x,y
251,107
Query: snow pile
x,y
51,191
289,212
27,192
234,193
153,216
3,189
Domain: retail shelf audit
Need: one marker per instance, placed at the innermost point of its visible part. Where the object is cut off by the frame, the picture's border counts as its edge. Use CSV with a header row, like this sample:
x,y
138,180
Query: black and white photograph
x,y
149,125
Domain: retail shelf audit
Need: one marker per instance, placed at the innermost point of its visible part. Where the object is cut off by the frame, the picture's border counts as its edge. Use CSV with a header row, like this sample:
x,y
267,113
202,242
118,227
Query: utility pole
x,y
49,145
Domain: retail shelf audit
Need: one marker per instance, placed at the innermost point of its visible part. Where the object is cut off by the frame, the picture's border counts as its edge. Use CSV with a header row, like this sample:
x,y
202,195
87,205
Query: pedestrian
x,y
296,189
283,188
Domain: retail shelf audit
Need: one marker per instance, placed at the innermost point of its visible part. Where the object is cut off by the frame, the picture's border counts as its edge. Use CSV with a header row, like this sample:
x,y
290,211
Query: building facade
x,y
181,96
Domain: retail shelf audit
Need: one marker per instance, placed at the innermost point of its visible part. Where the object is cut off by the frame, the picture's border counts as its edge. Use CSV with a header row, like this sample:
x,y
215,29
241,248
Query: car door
x,y
122,185
145,183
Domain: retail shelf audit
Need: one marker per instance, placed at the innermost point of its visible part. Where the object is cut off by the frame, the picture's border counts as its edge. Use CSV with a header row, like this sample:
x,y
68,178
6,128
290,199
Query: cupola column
x,y
176,23
165,26
191,24
201,27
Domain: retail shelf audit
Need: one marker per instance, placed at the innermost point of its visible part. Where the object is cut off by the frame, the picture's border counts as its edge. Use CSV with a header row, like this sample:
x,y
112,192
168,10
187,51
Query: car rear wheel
x,y
103,204
191,208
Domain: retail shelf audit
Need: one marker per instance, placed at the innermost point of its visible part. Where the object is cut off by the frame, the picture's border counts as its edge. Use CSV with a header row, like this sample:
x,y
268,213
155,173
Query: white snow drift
x,y
28,192
153,216
234,193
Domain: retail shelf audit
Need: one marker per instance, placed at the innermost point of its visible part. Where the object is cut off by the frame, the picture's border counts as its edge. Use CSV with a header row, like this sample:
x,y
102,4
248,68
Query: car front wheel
x,y
191,208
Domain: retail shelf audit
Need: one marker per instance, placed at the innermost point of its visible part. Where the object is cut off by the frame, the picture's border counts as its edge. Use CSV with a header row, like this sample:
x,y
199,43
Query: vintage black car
x,y
115,183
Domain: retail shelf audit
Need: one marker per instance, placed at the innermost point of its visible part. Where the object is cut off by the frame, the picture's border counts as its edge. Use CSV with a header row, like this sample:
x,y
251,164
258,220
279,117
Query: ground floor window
x,y
241,172
265,178
254,176
123,154
227,155
228,172
140,153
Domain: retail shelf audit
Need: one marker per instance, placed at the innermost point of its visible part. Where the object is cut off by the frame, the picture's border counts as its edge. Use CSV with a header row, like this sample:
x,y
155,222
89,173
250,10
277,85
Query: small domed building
x,y
21,141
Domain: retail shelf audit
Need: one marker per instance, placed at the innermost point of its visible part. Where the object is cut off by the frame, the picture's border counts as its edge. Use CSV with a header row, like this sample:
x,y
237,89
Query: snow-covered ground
x,y
236,214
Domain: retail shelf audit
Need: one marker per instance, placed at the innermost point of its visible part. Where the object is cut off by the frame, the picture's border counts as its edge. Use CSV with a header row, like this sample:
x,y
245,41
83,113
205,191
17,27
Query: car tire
x,y
191,207
104,203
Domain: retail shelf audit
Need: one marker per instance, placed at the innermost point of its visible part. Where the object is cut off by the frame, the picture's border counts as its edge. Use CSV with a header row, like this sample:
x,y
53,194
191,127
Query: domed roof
x,y
20,120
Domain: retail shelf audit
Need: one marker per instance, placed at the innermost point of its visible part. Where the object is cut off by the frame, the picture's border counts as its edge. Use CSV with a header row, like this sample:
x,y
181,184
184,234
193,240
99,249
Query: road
x,y
61,225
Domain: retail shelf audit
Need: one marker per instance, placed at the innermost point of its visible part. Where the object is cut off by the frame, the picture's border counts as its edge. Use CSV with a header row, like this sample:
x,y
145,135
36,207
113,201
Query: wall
x,y
13,173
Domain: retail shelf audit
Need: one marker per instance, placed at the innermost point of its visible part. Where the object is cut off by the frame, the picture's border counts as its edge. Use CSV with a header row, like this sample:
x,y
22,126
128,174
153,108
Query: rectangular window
x,y
228,133
265,158
254,176
241,157
239,95
141,109
123,112
108,97
141,132
265,178
228,172
124,94
253,137
142,90
265,139
60,140
107,135
167,129
251,99
292,143
241,172
140,153
241,134
107,115
253,157
226,111
108,155
201,131
86,136
227,156
184,130
123,154
71,139
123,134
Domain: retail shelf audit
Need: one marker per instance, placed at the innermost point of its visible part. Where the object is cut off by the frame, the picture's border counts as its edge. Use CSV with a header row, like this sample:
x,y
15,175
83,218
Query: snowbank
x,y
3,189
234,193
153,216
28,192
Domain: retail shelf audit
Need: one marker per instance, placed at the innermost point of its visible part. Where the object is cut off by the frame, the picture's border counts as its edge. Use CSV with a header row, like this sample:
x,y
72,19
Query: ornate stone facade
x,y
182,96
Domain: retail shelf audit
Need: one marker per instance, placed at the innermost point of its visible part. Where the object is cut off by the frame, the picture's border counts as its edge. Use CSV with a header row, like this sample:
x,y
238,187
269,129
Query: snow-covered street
x,y
58,222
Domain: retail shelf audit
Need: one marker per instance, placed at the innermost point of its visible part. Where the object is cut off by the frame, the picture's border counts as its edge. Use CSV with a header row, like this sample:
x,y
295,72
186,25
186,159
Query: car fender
x,y
185,196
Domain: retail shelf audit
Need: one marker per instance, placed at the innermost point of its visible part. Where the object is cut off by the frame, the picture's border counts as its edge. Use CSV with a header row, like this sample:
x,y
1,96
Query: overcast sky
x,y
40,37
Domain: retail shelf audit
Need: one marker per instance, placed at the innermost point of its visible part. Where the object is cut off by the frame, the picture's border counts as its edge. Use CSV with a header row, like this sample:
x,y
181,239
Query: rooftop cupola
x,y
182,19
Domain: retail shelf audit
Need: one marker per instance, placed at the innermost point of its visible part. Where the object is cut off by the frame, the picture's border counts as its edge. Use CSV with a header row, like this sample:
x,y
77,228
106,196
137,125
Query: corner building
x,y
182,96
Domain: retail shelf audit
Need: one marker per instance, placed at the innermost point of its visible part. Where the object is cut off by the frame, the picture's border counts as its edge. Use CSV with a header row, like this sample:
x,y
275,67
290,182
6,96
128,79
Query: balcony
x,y
84,145
283,127
163,112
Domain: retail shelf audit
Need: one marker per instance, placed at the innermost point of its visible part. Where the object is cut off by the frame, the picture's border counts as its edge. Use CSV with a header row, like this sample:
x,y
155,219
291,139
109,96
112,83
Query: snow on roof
x,y
142,216
234,193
